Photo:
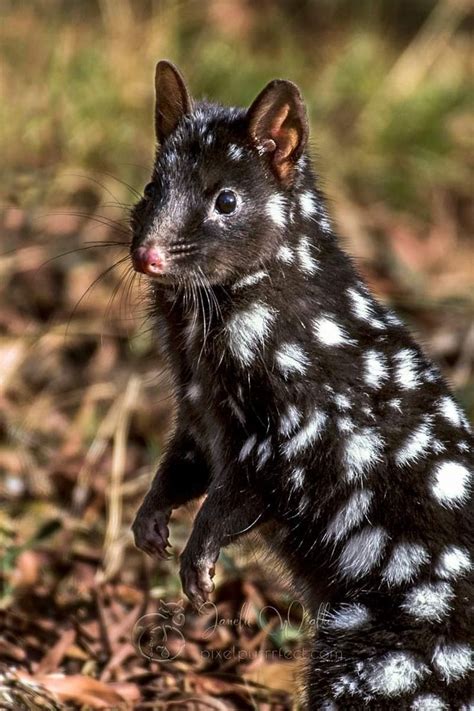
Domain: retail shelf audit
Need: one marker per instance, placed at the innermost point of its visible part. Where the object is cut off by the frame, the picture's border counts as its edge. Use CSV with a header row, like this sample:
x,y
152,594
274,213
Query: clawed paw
x,y
151,532
196,578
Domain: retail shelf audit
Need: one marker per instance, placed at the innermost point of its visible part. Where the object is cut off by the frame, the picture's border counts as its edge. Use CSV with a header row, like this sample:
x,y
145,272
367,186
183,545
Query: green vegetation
x,y
388,93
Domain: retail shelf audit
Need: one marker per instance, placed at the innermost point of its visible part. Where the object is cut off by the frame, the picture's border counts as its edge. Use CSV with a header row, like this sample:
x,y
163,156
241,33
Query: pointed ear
x,y
278,124
172,99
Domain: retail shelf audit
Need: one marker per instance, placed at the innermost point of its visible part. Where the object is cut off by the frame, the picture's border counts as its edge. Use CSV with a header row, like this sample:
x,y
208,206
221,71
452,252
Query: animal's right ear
x,y
173,100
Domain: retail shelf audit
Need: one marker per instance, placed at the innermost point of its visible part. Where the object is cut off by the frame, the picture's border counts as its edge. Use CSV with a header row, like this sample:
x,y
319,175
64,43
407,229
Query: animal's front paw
x,y
151,532
196,574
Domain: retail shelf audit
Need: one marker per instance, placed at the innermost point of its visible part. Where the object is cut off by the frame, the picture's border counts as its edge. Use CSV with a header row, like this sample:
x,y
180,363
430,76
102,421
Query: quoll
x,y
304,407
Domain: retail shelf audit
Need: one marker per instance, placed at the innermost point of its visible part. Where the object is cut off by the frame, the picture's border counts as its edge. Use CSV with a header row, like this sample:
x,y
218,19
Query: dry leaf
x,y
88,691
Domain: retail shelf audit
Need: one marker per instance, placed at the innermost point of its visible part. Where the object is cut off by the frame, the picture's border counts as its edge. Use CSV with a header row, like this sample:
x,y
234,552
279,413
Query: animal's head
x,y
217,203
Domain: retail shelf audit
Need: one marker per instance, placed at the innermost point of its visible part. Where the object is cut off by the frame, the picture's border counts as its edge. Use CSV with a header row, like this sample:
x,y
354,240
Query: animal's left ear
x,y
278,124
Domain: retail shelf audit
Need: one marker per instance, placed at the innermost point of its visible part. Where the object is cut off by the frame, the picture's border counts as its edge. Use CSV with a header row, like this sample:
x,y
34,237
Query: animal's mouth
x,y
164,267
178,266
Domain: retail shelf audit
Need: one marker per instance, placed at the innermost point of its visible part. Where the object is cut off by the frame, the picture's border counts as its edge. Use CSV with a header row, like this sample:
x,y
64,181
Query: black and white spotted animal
x,y
304,407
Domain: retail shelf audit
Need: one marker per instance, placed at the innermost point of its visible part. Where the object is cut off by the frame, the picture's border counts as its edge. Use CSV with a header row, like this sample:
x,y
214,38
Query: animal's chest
x,y
217,421
211,397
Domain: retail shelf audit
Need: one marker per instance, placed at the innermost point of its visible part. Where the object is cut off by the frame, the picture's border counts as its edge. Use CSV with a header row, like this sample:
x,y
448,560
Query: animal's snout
x,y
149,260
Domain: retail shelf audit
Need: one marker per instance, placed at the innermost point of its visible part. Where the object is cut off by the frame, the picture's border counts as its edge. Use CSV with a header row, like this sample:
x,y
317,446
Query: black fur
x,y
305,405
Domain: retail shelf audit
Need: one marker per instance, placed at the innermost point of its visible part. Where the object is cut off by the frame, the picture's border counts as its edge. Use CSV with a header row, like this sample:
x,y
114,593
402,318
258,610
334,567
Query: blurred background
x,y
84,403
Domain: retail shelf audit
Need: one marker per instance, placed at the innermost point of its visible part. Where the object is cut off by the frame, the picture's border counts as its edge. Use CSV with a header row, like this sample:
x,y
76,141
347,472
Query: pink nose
x,y
148,260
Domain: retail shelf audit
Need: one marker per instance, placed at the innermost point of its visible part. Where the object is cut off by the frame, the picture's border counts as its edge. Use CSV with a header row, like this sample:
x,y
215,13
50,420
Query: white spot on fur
x,y
363,309
453,661
437,446
285,254
431,374
291,358
350,515
330,333
395,673
463,446
249,444
306,436
375,369
362,552
348,617
249,280
342,402
346,685
290,421
405,562
429,601
415,446
369,412
453,561
235,152
449,409
396,403
193,392
450,483
406,373
302,163
392,318
308,204
264,452
325,224
248,330
428,702
308,264
276,210
363,451
297,477
345,424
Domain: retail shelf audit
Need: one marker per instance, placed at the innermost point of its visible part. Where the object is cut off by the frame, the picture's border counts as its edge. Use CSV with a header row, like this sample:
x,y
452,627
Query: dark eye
x,y
150,191
226,202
